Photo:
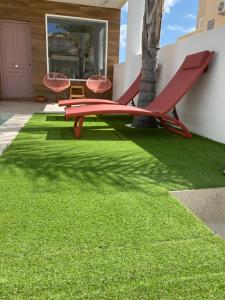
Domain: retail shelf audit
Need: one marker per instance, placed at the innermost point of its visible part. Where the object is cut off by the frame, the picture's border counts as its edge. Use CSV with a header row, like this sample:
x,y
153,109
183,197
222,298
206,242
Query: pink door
x,y
15,59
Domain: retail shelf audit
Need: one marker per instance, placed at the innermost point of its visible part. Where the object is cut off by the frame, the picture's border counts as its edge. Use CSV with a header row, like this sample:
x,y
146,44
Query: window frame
x,y
211,24
106,22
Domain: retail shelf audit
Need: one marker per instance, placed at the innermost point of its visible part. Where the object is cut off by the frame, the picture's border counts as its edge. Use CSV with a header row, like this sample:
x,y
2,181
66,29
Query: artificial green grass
x,y
93,218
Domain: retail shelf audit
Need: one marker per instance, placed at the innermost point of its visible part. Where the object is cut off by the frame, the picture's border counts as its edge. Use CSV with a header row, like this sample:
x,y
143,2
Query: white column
x,y
134,38
124,74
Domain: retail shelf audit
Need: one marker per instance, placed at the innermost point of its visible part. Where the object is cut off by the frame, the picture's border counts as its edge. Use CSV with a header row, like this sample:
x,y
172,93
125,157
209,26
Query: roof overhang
x,y
100,3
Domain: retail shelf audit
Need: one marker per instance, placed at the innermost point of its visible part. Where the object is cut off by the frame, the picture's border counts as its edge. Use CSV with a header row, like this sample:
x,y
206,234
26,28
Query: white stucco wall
x,y
203,109
126,73
118,80
134,38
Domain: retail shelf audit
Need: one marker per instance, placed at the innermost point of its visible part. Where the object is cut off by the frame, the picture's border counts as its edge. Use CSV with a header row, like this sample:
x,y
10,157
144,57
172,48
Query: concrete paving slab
x,y
208,205
10,129
22,112
29,107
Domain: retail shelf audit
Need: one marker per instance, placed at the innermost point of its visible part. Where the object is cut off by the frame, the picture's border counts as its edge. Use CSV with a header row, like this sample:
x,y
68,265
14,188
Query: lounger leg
x,y
175,114
78,124
132,103
175,126
206,69
65,113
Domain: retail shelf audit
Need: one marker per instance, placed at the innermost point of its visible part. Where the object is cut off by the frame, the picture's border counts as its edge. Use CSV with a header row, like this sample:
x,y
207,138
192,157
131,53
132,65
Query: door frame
x,y
2,94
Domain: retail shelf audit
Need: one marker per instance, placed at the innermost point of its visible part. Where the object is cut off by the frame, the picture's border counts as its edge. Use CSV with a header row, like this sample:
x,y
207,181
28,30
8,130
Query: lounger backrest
x,y
187,75
132,92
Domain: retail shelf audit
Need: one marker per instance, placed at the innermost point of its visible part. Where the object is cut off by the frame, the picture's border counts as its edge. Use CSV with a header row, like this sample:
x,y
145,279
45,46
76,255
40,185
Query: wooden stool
x,y
77,92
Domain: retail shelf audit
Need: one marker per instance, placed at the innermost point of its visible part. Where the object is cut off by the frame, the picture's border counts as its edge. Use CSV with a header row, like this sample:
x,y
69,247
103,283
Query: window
x,y
76,47
211,24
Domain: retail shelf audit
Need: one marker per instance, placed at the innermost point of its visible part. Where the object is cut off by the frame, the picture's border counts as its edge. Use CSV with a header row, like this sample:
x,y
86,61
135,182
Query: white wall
x,y
134,39
203,109
118,80
125,74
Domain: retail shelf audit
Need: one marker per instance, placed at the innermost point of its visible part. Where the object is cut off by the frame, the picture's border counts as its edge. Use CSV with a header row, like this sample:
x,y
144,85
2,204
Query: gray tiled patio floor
x,y
22,113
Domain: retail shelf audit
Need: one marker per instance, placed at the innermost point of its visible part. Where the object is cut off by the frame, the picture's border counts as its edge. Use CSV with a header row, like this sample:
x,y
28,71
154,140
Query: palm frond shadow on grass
x,y
167,160
198,160
123,171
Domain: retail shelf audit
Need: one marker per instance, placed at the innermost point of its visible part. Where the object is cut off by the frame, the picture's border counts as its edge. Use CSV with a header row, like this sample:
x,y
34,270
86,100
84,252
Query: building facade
x,y
38,36
211,14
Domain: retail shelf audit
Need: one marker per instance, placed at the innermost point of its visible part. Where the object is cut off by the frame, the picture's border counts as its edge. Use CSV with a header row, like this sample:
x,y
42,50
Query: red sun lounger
x,y
126,98
187,75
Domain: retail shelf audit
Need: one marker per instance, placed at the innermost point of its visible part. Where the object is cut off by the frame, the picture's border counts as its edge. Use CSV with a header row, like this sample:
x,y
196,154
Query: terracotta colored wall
x,y
34,12
208,10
